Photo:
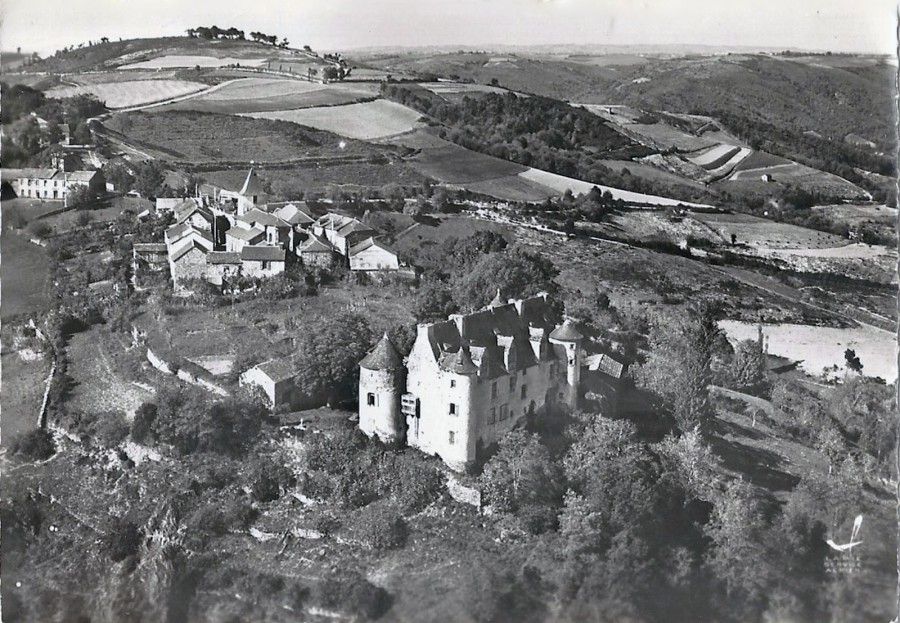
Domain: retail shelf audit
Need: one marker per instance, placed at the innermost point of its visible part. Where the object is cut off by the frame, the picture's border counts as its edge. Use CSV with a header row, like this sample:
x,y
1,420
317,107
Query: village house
x,y
237,238
276,379
277,231
471,379
262,260
342,232
295,214
316,252
194,215
187,261
372,255
51,183
179,234
222,266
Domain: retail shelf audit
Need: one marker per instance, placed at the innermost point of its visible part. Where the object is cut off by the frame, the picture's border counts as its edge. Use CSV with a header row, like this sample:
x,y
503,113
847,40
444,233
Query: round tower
x,y
382,380
567,336
460,434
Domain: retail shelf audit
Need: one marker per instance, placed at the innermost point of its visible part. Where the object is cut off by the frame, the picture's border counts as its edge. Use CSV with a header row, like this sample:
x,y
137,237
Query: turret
x,y
382,380
567,336
458,446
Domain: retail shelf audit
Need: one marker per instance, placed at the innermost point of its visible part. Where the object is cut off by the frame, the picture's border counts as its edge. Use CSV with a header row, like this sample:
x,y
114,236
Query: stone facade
x,y
471,379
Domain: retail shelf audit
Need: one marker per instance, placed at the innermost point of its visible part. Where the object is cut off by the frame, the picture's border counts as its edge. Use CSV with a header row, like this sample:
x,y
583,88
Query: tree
x,y
330,73
80,195
434,301
516,273
853,362
692,461
119,176
34,445
328,355
149,180
380,526
748,368
121,539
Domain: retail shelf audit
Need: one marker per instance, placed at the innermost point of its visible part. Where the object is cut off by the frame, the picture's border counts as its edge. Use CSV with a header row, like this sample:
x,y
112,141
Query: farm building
x,y
262,260
237,238
249,195
470,379
296,214
277,231
198,217
602,379
316,252
175,234
370,254
342,232
276,379
222,265
187,261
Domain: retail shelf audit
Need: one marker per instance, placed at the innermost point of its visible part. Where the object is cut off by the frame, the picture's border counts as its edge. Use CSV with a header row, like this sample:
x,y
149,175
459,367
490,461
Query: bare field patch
x,y
457,165
760,232
512,188
131,93
176,60
365,121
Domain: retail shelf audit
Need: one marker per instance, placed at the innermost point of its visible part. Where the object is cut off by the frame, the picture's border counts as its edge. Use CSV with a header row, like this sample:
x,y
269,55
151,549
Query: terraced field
x,y
760,232
365,121
250,95
131,93
175,60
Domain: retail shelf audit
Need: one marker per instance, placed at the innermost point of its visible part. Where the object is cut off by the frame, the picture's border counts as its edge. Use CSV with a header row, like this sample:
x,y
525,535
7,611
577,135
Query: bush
x,y
381,527
122,539
142,423
269,479
35,445
349,592
39,229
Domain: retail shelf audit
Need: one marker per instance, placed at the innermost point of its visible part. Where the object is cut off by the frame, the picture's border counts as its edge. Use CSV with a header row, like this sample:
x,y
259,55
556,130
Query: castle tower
x,y
382,380
457,447
567,336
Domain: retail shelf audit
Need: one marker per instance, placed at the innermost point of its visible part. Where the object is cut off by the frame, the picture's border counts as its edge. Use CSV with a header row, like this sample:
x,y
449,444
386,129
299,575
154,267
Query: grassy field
x,y
175,60
649,172
202,138
761,160
22,275
132,93
23,390
668,137
457,165
797,175
367,120
760,232
512,188
267,95
715,156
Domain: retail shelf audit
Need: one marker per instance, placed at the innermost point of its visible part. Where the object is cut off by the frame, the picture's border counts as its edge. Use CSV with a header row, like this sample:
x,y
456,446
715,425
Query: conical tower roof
x,y
461,362
383,357
566,332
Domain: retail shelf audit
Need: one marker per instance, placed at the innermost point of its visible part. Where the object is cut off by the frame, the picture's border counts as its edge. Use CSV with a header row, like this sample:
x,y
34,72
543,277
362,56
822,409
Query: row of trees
x,y
214,32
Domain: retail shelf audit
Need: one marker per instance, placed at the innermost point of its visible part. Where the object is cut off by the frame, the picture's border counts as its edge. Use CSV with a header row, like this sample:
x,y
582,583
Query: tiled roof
x,y
367,243
247,235
262,253
295,214
252,185
314,244
186,209
257,216
566,332
184,250
35,174
605,364
81,176
182,230
277,369
223,257
353,226
149,247
459,362
383,357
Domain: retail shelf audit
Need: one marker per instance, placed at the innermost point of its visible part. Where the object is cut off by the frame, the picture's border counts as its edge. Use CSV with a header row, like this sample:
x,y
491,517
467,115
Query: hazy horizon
x,y
815,25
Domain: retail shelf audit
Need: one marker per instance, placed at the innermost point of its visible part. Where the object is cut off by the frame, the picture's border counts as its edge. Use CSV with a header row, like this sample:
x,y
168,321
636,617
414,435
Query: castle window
x,y
524,391
492,415
370,399
452,382
512,384
494,389
452,437
504,412
453,409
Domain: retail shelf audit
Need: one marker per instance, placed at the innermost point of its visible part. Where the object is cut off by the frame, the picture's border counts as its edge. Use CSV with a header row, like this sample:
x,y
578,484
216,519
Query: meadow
x,y
22,274
176,60
760,232
457,165
131,93
365,121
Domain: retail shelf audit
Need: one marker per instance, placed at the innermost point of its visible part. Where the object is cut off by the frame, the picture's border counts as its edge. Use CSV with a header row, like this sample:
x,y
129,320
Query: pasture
x,y
761,160
667,137
512,188
714,157
457,165
131,93
23,272
365,121
250,95
23,390
176,60
800,176
561,184
649,172
759,232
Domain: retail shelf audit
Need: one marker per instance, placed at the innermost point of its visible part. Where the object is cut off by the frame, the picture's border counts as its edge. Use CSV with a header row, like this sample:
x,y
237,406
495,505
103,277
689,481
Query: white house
x,y
237,238
276,379
342,232
370,254
262,260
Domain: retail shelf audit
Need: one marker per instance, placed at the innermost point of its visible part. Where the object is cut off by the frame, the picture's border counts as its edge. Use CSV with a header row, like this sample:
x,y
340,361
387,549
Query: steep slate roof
x,y
252,185
313,244
247,235
459,362
223,257
498,300
149,247
566,332
277,369
383,357
605,364
35,174
182,230
260,253
186,209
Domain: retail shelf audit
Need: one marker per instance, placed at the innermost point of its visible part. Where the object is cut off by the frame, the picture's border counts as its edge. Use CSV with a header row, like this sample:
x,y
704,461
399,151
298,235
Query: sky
x,y
337,25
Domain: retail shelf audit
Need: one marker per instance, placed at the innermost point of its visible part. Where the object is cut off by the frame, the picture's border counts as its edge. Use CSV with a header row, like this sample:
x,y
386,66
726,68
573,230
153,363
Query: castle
x,y
470,379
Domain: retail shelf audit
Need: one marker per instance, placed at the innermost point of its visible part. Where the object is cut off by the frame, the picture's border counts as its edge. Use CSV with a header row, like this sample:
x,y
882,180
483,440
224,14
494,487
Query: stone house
x,y
471,379
296,214
247,196
237,238
276,379
316,252
221,266
342,232
372,255
262,260
277,231
187,261
194,215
